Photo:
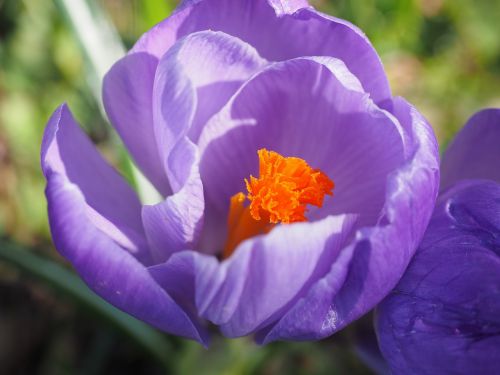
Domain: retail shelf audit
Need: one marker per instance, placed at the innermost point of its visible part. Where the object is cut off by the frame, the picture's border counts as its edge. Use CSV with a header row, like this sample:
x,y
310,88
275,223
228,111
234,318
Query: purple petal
x,y
381,253
194,79
109,270
410,198
312,108
277,34
127,96
268,273
158,40
475,151
443,317
187,276
282,7
175,223
89,209
111,204
312,313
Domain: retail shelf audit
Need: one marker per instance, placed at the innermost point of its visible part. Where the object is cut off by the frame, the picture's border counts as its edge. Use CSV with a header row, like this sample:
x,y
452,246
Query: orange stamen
x,y
286,185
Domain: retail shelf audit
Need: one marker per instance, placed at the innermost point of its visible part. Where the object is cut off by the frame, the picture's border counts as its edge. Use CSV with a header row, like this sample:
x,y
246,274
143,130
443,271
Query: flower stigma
x,y
281,193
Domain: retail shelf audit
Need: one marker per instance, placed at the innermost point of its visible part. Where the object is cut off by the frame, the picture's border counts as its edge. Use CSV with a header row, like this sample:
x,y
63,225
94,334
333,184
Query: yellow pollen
x,y
281,193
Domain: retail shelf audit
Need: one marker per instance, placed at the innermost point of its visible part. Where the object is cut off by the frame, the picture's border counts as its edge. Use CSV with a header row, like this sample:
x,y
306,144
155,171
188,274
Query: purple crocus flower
x,y
444,315
296,188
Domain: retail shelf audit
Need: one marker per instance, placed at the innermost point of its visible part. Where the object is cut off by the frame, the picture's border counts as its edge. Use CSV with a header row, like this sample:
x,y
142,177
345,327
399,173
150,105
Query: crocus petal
x,y
127,97
475,151
443,317
312,108
267,273
194,79
110,203
277,34
109,270
95,223
186,275
282,7
175,223
381,253
312,313
410,198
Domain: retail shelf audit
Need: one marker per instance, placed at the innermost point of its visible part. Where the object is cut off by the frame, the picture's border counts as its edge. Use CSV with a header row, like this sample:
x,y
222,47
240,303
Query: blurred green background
x,y
444,56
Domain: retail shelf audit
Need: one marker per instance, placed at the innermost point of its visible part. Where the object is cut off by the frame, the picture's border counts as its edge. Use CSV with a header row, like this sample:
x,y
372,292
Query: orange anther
x,y
281,193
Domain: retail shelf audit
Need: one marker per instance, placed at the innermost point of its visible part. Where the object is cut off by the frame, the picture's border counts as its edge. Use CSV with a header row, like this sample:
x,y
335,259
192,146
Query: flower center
x,y
281,193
